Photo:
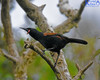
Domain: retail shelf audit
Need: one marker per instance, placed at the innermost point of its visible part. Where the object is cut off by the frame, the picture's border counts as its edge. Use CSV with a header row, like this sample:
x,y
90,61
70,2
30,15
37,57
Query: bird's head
x,y
33,33
27,29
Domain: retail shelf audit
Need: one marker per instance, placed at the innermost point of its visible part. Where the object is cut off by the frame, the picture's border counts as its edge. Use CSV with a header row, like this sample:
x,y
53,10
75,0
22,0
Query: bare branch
x,y
66,9
81,71
12,58
64,27
35,14
78,67
81,9
42,7
72,21
7,28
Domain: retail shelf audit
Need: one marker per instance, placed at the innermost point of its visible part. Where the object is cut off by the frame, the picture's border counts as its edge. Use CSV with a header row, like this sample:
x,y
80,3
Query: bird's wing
x,y
54,35
46,34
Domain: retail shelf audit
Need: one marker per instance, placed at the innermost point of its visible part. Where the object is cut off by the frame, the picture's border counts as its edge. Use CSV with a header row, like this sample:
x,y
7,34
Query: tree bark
x,y
7,28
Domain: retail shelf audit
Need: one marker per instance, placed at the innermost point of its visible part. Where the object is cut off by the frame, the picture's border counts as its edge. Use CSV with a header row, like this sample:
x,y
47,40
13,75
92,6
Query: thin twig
x,y
81,71
12,58
77,66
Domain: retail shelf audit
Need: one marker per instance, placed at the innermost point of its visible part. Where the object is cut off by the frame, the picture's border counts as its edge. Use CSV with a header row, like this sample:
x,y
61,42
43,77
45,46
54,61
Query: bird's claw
x,y
43,52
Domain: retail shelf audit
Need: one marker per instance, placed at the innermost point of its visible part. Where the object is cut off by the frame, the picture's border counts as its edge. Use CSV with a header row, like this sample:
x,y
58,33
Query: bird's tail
x,y
71,40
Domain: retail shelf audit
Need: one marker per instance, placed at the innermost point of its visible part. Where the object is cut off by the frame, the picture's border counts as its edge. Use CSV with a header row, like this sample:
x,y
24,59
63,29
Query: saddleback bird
x,y
52,41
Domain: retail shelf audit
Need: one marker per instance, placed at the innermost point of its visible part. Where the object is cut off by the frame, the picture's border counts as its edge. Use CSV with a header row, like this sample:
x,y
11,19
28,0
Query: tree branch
x,y
81,9
35,14
12,58
66,9
81,71
72,21
7,28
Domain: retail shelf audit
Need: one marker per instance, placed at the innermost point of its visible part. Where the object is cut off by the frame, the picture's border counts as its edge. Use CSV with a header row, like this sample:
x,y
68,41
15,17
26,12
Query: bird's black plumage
x,y
52,41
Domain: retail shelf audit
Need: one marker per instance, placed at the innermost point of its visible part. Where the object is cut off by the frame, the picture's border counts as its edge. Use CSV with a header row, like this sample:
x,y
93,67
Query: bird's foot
x,y
43,52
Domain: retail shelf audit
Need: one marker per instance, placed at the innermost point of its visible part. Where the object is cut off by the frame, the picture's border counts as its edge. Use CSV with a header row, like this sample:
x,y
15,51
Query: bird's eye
x,y
28,31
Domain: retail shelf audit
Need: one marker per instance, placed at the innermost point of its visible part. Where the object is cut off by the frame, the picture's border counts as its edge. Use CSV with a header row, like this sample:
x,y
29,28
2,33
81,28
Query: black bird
x,y
52,41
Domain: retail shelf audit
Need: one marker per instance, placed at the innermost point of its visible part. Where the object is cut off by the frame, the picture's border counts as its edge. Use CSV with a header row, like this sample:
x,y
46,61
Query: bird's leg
x,y
49,49
57,59
44,51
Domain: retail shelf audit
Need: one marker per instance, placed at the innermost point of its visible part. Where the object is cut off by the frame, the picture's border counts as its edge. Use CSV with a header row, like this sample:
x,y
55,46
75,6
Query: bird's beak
x,y
24,28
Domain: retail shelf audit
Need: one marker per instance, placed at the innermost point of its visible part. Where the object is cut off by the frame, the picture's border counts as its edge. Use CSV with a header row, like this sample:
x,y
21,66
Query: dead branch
x,y
74,18
35,14
81,71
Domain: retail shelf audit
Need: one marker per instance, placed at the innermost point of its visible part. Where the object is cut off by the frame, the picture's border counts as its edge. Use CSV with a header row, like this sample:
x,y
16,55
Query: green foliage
x,y
6,72
84,53
6,69
72,67
41,70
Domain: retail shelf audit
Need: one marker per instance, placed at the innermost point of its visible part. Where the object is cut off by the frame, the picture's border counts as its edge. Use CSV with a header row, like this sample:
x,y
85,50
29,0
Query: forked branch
x,y
81,71
73,15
